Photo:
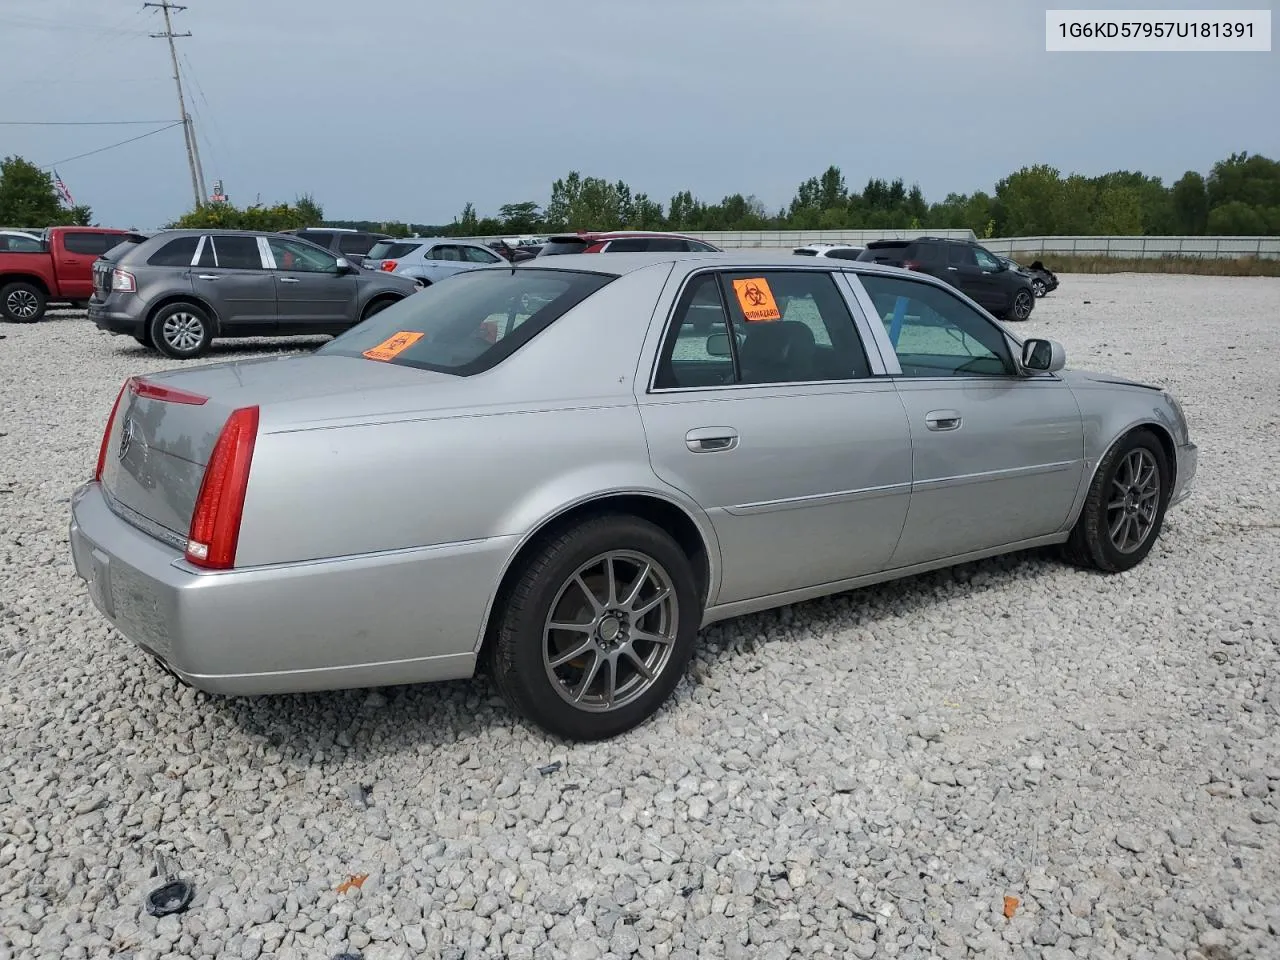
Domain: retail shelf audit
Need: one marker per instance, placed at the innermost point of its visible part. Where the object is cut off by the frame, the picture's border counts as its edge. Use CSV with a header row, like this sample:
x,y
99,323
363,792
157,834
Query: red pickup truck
x,y
60,272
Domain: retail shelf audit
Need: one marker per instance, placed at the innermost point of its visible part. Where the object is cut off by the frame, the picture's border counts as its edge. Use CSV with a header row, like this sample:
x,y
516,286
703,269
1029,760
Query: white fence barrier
x,y
1218,248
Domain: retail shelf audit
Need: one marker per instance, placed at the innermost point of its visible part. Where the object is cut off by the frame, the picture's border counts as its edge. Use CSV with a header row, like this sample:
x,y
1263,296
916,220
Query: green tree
x,y
520,217
226,216
1030,198
1237,218
1190,204
28,198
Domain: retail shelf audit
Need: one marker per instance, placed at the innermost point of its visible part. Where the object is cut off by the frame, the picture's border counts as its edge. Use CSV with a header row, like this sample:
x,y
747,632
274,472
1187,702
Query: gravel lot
x,y
869,775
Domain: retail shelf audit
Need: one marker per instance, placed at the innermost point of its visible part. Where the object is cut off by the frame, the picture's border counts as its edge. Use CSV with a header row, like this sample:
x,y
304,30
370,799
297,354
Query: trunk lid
x,y
167,424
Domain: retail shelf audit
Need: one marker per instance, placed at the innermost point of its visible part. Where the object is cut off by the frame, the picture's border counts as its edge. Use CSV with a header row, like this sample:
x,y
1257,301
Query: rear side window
x,y
769,326
450,253
175,253
629,245
236,253
391,250
848,253
90,244
318,238
562,245
479,255
668,245
470,324
805,252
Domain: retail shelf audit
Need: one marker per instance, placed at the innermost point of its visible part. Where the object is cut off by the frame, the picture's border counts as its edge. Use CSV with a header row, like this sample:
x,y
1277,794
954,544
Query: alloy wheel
x,y
23,304
1135,501
183,331
1022,305
611,631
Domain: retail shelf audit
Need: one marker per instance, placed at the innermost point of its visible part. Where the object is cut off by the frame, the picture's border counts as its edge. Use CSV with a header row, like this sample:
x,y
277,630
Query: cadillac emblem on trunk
x,y
127,435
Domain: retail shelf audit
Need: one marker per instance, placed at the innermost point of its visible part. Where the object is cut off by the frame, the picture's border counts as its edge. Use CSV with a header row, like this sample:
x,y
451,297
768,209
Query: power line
x,y
80,123
112,146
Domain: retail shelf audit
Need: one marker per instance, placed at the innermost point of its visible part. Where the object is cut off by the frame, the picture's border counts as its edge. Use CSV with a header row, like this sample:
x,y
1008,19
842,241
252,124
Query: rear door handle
x,y
287,279
954,269
206,276
711,439
942,420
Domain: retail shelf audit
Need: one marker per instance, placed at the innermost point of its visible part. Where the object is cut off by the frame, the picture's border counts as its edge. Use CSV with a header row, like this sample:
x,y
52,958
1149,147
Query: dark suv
x,y
971,268
342,242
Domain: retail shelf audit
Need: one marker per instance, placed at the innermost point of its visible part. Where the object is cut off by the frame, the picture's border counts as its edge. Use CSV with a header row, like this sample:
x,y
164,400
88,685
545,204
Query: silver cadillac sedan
x,y
565,469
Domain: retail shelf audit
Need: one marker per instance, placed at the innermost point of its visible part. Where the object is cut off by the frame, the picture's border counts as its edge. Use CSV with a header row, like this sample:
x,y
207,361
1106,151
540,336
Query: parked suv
x,y
178,290
624,241
430,259
341,241
969,267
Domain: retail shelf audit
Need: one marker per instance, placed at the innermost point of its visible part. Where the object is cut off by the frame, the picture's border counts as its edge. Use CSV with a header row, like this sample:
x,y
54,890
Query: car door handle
x,y
287,279
942,420
711,439
954,269
206,276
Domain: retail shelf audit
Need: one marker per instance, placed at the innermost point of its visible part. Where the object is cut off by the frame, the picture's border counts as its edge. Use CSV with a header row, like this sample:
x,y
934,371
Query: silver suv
x,y
178,290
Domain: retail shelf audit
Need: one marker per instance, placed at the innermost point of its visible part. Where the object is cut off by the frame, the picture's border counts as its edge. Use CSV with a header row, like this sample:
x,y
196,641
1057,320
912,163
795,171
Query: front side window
x,y
697,246
300,257
235,253
479,255
986,261
934,334
15,243
771,326
470,324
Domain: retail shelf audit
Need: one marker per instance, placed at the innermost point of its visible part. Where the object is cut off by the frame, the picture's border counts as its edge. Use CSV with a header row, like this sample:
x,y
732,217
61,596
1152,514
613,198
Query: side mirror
x,y
1047,356
718,345
344,266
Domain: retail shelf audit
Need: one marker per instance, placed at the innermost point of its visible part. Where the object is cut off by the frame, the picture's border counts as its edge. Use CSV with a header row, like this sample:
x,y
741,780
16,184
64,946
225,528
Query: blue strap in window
x,y
895,324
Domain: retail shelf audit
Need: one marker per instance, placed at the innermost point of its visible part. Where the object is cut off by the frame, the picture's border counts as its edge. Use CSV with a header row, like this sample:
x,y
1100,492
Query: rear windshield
x,y
470,322
390,250
562,245
886,251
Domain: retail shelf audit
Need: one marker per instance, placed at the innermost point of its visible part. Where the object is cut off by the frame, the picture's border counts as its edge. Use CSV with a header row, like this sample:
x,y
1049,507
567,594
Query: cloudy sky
x,y
408,109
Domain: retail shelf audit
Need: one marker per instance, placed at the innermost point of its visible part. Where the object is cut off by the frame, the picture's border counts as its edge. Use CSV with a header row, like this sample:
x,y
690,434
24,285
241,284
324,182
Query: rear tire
x,y
1021,307
182,331
22,302
632,642
1124,509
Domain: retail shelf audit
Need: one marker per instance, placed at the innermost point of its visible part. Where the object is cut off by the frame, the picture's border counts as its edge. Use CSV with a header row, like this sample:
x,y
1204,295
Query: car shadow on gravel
x,y
383,723
229,349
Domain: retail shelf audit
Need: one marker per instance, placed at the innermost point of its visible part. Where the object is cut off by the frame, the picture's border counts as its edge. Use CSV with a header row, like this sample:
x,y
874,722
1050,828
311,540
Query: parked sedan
x,y
429,259
548,469
179,289
840,251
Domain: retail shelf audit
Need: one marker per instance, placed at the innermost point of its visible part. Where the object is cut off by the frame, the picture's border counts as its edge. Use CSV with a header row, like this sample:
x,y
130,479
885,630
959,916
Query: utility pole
x,y
189,134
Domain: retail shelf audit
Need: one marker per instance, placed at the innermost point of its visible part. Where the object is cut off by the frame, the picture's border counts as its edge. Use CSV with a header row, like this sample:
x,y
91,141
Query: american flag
x,y
62,189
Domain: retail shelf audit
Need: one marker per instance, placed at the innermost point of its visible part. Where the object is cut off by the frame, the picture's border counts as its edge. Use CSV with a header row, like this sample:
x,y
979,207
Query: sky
x,y
409,109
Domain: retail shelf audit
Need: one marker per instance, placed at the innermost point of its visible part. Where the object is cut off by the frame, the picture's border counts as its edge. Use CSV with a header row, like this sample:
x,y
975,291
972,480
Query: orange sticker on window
x,y
394,346
756,299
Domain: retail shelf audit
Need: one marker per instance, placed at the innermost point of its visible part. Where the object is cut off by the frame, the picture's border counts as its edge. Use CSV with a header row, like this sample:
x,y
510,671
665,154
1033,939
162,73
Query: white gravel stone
x,y
911,753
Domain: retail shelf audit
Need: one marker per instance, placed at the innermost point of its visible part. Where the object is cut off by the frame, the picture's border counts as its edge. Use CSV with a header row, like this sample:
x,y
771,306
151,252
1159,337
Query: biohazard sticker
x,y
394,346
756,299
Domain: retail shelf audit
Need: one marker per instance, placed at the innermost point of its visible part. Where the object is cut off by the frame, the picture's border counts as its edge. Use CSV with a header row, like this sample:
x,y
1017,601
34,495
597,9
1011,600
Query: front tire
x,y
22,302
597,629
182,331
1124,510
376,307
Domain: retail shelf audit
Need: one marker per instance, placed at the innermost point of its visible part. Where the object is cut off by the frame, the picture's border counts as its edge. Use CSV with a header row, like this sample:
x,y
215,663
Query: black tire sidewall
x,y
154,330
1100,545
1013,307
517,659
42,302
375,308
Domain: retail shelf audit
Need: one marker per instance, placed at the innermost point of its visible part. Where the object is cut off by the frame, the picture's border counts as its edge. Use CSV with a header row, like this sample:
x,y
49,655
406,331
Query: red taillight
x,y
157,391
912,264
215,523
106,434
389,265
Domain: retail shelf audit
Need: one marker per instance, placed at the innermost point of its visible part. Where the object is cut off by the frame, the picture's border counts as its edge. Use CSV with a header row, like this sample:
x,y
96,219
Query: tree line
x,y
1239,196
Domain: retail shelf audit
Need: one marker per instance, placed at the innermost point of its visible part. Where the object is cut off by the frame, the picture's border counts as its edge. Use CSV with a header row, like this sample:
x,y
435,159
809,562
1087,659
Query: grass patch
x,y
1200,266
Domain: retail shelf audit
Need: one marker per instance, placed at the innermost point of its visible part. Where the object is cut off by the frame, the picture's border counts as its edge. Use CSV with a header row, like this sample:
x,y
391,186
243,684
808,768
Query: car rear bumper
x,y
406,616
114,321
1188,461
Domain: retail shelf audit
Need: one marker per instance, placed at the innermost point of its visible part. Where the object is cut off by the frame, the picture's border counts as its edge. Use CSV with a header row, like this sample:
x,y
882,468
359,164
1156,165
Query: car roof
x,y
595,235
619,264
